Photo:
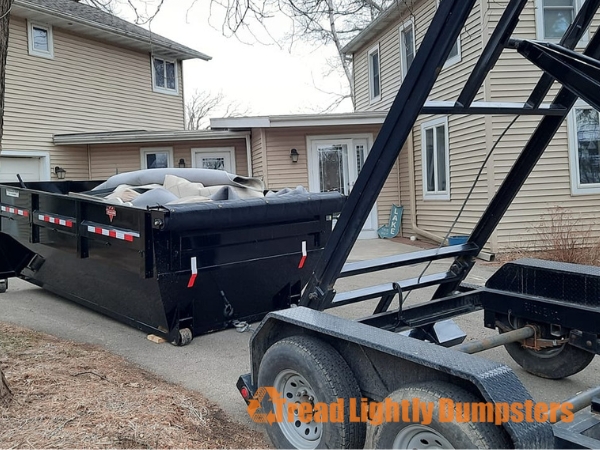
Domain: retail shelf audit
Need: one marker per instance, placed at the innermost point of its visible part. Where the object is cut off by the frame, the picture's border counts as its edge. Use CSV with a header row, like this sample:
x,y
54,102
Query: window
x,y
584,143
40,41
436,156
157,158
554,17
454,55
164,75
407,47
374,75
219,158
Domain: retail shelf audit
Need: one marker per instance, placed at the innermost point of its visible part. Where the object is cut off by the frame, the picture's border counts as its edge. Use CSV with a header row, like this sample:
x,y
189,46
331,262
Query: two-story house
x,y
440,162
89,95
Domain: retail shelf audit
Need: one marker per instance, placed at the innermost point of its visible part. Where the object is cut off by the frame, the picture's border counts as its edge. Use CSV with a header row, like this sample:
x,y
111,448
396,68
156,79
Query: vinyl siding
x,y
88,87
467,134
108,160
284,173
548,185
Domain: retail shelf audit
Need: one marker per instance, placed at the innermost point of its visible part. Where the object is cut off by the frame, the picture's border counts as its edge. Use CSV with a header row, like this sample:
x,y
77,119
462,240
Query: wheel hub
x,y
421,437
295,389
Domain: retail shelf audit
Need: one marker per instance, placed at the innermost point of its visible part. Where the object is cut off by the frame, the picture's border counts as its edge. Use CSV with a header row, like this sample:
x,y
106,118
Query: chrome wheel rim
x,y
420,436
295,389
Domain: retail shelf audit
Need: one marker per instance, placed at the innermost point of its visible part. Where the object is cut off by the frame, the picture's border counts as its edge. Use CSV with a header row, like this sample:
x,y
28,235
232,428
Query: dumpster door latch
x,y
194,272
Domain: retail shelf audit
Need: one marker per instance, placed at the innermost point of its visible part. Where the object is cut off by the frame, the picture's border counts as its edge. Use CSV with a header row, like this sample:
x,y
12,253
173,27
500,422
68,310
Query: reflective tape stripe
x,y
121,235
304,255
194,272
56,220
13,210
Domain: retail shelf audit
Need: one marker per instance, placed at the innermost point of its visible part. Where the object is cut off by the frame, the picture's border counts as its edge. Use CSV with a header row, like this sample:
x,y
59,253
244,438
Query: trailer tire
x,y
308,370
552,363
437,434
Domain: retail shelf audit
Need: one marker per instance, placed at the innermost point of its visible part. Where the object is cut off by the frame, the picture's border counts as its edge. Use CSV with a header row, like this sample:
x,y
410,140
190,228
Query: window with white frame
x,y
455,53
39,39
164,75
436,159
374,74
407,46
554,17
584,150
156,158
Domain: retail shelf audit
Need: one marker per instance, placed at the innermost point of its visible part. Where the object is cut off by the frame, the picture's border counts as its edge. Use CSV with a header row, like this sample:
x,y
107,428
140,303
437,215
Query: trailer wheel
x,y
184,337
306,370
439,433
553,363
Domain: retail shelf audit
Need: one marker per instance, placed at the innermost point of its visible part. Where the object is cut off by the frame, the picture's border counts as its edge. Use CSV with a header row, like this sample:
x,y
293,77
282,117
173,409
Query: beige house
x,y
94,95
432,189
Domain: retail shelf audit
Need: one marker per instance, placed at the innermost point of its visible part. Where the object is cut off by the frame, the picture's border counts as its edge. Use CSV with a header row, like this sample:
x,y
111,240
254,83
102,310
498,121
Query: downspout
x,y
413,196
249,155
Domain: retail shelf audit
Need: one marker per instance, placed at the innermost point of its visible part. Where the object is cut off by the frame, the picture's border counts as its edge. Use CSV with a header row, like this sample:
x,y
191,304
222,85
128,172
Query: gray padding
x,y
207,177
300,190
155,197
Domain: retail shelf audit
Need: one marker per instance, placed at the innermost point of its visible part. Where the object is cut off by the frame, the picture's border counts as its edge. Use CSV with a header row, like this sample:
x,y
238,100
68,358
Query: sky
x,y
261,79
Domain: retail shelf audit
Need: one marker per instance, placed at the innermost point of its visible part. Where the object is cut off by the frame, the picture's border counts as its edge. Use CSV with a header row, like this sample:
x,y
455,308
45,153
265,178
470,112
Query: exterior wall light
x,y
182,163
294,155
60,173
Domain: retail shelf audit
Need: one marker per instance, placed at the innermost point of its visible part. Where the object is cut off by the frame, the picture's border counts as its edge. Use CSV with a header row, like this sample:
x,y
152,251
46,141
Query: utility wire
x,y
462,208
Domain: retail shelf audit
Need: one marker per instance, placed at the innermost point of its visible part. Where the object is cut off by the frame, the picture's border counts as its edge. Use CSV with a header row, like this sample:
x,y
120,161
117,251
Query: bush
x,y
563,237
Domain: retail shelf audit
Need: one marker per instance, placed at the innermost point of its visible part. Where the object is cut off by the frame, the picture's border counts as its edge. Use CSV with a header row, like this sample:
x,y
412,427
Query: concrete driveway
x,y
212,363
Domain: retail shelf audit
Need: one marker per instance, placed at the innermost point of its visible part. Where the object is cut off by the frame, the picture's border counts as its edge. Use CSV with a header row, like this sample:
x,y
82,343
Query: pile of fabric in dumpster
x,y
154,187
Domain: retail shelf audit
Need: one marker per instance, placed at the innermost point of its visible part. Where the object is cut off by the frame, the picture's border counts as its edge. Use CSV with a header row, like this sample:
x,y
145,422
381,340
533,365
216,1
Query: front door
x,y
335,165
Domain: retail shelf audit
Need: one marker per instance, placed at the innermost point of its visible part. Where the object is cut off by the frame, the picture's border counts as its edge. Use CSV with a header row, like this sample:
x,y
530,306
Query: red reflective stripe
x,y
301,265
129,237
192,280
69,224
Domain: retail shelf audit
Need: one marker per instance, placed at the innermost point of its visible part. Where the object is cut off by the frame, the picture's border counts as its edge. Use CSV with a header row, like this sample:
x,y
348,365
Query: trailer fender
x,y
383,362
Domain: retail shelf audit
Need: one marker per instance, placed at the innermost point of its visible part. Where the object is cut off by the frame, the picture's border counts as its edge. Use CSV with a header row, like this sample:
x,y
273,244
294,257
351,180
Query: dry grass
x,y
69,395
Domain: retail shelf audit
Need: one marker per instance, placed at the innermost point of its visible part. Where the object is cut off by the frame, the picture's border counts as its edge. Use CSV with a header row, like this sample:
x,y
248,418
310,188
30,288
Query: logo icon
x,y
254,407
111,212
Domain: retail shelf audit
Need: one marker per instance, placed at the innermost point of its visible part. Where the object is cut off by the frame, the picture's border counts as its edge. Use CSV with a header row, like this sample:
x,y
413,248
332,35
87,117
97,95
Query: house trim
x,y
146,150
43,156
438,195
410,23
215,150
164,90
300,120
32,50
577,188
372,97
131,137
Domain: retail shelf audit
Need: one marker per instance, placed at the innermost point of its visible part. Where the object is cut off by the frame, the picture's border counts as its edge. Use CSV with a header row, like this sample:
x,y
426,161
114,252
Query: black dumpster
x,y
173,271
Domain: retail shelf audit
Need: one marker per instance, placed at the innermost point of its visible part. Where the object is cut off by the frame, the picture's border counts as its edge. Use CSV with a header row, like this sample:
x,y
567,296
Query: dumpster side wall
x,y
108,160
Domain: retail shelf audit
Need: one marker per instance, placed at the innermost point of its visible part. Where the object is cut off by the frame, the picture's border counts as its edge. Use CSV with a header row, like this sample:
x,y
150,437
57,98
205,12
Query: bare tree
x,y
317,22
145,11
203,104
5,7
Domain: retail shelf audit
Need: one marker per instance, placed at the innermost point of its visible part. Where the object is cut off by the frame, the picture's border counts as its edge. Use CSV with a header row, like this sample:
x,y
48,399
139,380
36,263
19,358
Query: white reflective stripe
x,y
194,266
304,248
41,217
120,235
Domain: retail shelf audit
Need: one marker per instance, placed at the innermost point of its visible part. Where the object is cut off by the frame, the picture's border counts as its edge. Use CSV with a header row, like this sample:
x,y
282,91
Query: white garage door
x,y
28,168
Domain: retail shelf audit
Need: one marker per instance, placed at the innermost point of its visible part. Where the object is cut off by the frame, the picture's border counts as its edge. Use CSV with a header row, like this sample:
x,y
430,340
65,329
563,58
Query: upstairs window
x,y
554,18
455,53
374,75
40,41
436,157
407,47
164,75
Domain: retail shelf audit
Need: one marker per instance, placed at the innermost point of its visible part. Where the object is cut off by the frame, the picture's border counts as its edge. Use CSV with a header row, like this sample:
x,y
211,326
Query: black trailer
x,y
174,271
547,314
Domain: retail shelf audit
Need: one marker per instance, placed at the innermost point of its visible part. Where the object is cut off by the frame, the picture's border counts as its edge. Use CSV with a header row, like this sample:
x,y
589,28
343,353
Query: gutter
x,y
249,155
144,137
